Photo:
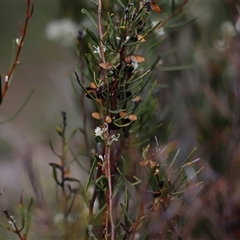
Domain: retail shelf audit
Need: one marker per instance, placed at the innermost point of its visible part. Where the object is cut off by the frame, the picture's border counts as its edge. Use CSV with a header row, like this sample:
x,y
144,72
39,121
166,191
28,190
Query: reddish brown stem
x,y
29,12
109,213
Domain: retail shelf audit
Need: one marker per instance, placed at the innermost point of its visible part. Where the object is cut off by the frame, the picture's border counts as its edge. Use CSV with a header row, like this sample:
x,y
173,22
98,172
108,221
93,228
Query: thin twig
x,y
62,159
109,214
101,38
29,12
14,225
109,192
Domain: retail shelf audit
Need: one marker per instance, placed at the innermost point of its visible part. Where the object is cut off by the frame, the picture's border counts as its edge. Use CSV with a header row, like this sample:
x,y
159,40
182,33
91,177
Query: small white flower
x,y
101,157
113,138
98,51
127,38
6,79
18,41
98,132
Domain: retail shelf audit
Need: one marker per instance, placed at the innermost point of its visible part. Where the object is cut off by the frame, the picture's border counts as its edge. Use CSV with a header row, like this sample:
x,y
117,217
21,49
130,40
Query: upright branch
x,y
62,158
118,76
19,42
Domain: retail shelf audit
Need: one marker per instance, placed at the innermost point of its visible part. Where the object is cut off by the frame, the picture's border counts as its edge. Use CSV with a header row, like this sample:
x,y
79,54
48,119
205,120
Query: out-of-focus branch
x,y
19,41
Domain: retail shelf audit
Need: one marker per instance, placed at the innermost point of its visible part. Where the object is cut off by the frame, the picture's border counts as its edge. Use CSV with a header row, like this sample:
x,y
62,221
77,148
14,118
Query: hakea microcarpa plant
x,y
114,72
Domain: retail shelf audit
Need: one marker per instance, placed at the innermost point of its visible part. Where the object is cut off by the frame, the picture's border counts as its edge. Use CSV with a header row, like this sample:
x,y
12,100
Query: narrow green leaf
x,y
84,11
100,211
120,2
121,179
138,78
122,125
98,139
22,212
20,109
72,180
126,215
155,45
71,205
73,133
88,226
174,159
174,26
28,217
176,68
92,36
138,181
117,111
59,131
55,175
90,176
188,157
7,228
51,146
55,165
90,69
148,114
75,158
100,181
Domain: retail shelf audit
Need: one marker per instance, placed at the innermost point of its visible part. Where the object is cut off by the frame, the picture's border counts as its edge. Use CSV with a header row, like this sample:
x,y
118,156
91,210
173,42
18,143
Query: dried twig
x,y
20,41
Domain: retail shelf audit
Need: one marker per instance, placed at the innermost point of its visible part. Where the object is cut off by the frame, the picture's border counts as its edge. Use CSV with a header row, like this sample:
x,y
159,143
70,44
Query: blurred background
x,y
199,108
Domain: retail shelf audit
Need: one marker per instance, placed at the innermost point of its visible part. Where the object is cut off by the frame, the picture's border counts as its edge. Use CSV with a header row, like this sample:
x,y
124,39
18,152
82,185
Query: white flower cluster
x,y
101,132
98,51
113,138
